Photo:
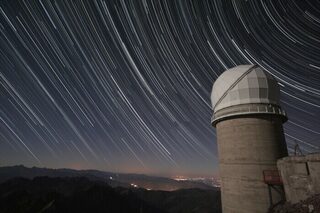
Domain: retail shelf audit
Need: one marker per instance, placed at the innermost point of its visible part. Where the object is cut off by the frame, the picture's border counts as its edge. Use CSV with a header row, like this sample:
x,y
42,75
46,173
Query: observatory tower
x,y
248,119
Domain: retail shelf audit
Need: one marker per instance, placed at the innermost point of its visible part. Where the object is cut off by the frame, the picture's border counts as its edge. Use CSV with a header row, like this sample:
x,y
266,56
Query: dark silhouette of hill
x,y
79,194
183,200
123,180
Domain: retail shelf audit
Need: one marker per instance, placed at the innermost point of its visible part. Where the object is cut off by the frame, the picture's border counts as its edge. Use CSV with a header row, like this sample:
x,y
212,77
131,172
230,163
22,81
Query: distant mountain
x,y
112,179
79,194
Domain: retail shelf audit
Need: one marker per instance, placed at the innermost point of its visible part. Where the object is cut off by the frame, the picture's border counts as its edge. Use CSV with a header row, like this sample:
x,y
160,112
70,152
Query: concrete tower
x,y
248,119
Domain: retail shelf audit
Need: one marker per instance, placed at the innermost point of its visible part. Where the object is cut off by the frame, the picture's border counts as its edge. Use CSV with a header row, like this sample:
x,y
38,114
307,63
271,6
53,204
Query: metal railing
x,y
248,109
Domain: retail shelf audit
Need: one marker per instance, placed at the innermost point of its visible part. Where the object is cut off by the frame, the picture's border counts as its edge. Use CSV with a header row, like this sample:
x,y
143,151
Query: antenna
x,y
297,150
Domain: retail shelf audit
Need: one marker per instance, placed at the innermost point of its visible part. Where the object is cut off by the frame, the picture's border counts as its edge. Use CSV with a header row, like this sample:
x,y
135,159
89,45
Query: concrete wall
x,y
301,176
247,146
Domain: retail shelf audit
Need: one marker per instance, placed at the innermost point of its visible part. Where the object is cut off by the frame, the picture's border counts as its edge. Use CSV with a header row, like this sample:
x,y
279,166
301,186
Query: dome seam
x,y
234,84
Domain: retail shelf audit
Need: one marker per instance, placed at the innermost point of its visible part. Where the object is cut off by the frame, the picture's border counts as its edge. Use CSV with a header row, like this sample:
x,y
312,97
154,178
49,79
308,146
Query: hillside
x,y
79,194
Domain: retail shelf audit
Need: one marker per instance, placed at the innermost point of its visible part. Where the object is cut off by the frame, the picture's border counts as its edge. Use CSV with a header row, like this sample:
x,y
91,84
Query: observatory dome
x,y
244,84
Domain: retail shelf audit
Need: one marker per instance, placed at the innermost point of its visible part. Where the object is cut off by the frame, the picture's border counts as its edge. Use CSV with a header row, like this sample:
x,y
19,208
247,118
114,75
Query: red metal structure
x,y
274,181
272,177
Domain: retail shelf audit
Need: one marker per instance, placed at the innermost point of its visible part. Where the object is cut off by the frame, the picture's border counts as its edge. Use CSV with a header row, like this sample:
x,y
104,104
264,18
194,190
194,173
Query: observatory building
x,y
248,121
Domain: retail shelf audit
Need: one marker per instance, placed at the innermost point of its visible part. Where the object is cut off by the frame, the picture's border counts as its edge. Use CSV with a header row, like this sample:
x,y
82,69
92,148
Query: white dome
x,y
244,84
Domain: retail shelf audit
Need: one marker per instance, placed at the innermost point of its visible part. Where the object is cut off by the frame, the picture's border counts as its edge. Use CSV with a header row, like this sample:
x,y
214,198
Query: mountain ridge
x,y
112,179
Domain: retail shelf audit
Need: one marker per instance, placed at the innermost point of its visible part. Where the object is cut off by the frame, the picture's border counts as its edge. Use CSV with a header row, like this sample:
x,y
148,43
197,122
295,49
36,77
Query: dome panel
x,y
244,84
225,80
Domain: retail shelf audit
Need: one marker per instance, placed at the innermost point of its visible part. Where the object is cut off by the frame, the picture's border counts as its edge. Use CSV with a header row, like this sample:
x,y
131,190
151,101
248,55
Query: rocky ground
x,y
310,205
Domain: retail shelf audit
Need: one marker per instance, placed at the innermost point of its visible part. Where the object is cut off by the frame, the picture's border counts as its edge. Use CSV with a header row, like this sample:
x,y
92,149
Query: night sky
x,y
125,86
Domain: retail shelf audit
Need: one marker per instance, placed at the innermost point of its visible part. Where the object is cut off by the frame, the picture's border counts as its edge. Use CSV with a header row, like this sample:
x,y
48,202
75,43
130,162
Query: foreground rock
x,y
310,205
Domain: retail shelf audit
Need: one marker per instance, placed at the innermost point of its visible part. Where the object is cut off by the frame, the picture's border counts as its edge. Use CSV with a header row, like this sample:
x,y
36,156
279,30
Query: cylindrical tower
x,y
248,120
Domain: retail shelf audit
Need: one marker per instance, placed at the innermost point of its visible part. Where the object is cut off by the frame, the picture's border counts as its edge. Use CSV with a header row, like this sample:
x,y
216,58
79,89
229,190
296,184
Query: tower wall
x,y
247,145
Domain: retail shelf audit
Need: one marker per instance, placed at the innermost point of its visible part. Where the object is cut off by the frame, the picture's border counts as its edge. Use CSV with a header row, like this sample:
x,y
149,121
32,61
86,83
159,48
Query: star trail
x,y
125,85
